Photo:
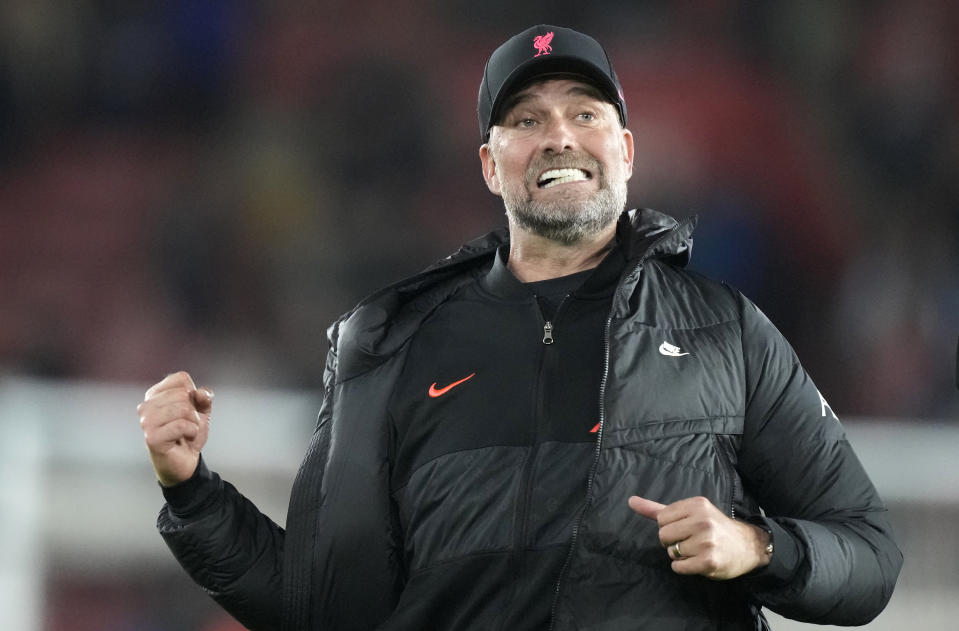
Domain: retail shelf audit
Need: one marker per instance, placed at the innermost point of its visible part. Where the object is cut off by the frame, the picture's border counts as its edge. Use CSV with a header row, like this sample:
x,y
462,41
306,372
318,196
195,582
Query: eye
x,y
525,123
586,116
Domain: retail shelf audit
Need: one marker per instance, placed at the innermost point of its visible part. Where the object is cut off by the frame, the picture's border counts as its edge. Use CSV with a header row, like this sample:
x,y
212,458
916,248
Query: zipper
x,y
599,433
729,472
548,332
732,494
592,473
548,325
522,509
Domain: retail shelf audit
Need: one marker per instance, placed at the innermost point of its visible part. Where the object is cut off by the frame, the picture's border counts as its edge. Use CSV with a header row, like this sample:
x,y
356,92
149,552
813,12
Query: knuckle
x,y
172,379
185,378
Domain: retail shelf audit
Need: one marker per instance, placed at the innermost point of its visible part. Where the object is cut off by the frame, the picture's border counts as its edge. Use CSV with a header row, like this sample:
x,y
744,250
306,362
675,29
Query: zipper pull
x,y
548,333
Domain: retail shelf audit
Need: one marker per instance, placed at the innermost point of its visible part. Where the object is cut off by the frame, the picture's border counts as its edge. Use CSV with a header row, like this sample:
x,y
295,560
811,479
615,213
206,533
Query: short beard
x,y
567,221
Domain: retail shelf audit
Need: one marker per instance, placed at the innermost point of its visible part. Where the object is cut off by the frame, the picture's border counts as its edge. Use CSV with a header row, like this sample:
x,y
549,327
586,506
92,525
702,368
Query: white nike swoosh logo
x,y
669,350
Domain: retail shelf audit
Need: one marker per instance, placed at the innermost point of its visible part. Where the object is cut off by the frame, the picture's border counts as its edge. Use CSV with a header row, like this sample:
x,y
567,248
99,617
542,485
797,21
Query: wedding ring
x,y
676,552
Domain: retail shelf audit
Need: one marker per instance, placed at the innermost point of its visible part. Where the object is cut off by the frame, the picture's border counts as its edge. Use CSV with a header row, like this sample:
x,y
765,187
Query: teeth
x,y
561,176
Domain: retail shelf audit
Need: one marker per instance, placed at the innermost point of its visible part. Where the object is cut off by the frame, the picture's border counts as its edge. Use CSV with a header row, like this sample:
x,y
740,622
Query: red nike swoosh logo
x,y
438,392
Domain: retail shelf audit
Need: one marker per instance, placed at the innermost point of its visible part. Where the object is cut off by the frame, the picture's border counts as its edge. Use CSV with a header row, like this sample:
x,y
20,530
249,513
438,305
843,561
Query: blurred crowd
x,y
208,184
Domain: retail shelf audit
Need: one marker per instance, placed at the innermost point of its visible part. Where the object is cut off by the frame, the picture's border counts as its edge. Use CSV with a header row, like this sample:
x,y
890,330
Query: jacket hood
x,y
381,323
646,233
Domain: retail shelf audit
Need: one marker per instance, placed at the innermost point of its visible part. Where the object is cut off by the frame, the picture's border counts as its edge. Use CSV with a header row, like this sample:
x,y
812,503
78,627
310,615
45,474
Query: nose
x,y
558,135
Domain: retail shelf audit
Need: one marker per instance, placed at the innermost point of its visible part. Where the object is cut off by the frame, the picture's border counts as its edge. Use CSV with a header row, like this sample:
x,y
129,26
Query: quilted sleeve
x,y
227,546
821,505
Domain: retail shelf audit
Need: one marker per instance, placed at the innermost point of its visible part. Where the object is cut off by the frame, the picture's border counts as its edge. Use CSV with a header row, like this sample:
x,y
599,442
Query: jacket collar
x,y
380,324
639,231
502,283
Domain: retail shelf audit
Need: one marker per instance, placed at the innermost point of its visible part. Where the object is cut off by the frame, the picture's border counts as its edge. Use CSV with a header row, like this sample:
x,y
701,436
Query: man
x,y
558,427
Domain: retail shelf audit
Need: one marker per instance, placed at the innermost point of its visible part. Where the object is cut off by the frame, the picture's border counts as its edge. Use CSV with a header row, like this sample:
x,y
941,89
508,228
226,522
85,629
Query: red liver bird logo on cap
x,y
541,43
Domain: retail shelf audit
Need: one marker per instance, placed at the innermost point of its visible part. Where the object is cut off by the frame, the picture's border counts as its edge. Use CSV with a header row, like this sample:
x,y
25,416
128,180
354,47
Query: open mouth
x,y
551,178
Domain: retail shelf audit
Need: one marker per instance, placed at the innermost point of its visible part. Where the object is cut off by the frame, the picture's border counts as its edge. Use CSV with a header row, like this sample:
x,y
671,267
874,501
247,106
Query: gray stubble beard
x,y
567,221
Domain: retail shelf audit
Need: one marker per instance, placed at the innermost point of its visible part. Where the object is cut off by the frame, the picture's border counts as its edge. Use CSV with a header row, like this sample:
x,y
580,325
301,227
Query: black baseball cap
x,y
544,50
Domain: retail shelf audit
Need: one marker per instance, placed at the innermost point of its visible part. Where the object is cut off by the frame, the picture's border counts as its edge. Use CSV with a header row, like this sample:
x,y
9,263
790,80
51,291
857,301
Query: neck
x,y
533,258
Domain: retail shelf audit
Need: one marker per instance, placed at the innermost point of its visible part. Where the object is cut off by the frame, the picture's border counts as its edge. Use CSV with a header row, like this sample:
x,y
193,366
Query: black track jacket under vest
x,y
700,396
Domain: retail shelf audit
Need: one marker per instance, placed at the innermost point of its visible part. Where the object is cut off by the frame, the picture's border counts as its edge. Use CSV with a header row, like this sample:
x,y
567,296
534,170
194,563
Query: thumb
x,y
203,400
646,508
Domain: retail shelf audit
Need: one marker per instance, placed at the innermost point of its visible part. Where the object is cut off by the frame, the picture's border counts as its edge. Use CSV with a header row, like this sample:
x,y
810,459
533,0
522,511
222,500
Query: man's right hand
x,y
175,417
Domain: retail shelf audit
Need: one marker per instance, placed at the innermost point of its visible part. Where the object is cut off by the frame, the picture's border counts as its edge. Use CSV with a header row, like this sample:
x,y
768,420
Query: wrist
x,y
764,545
185,471
192,496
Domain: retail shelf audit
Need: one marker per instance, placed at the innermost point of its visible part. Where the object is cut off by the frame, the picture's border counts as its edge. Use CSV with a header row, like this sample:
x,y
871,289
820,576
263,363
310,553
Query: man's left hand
x,y
710,543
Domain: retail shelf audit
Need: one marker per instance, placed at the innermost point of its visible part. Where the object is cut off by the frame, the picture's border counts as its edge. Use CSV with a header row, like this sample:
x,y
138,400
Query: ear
x,y
628,152
489,169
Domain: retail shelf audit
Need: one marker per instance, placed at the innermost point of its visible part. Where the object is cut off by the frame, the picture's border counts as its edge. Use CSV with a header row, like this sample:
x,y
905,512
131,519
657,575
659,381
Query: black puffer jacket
x,y
701,396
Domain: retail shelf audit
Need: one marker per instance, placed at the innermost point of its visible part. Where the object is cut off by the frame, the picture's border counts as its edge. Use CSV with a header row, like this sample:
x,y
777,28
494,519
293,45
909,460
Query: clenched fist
x,y
175,417
701,539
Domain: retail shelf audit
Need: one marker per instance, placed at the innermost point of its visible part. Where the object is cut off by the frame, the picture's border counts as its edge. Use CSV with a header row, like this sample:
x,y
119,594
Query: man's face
x,y
560,160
